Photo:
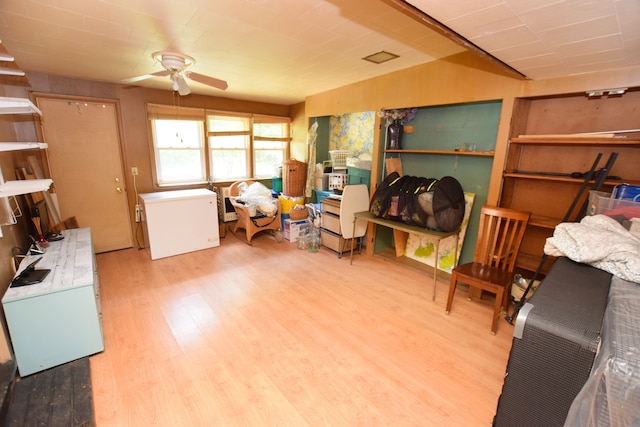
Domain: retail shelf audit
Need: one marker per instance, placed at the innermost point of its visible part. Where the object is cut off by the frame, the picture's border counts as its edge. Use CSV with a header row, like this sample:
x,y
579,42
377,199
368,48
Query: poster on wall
x,y
353,132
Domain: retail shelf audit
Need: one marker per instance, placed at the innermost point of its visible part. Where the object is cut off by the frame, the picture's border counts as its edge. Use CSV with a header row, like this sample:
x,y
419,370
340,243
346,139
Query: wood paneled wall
x,y
135,130
460,78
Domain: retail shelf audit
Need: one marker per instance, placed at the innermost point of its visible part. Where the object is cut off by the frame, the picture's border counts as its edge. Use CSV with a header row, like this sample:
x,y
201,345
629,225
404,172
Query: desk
x,y
413,229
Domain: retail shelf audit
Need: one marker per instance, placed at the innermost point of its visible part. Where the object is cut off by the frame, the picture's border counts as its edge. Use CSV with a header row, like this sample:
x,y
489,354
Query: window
x,y
270,138
237,146
179,150
229,142
178,144
246,146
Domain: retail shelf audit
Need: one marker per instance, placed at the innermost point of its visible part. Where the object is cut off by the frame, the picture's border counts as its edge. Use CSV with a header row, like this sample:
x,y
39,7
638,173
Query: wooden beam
x,y
437,26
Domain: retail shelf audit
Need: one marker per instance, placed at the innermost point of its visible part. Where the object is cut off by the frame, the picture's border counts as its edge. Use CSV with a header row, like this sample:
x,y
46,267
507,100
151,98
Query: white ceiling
x,y
284,50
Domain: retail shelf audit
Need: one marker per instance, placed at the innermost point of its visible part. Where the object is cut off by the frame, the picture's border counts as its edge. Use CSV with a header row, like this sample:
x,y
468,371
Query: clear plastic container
x,y
314,242
303,241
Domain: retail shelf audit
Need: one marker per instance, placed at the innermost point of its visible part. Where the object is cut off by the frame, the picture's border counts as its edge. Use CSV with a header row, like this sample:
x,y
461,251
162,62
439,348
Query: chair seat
x,y
252,224
484,273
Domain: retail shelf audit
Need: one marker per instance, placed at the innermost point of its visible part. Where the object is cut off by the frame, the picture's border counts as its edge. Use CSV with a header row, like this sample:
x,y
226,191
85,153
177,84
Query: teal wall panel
x,y
322,140
446,128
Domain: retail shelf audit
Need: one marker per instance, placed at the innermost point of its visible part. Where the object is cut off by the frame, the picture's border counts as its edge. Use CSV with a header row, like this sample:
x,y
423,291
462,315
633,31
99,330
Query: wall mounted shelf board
x,y
18,106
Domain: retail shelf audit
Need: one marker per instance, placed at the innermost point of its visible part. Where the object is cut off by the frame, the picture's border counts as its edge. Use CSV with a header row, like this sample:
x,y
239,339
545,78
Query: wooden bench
x,y
401,233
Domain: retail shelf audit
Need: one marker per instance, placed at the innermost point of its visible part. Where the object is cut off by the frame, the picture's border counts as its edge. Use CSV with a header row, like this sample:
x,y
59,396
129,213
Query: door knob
x,y
119,190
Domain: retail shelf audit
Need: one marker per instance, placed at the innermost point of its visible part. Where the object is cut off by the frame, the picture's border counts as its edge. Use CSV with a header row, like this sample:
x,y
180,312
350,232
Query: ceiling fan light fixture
x,y
173,60
381,57
175,68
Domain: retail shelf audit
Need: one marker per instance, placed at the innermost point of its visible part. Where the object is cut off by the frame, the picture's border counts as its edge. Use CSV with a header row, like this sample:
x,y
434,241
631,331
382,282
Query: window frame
x,y
284,140
247,133
166,112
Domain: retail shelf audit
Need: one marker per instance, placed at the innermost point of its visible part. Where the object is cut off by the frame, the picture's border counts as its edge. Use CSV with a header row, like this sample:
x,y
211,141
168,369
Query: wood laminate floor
x,y
270,335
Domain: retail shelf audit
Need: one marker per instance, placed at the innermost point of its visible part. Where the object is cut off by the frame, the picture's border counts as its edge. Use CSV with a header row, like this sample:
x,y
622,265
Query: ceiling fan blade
x,y
209,81
183,87
147,76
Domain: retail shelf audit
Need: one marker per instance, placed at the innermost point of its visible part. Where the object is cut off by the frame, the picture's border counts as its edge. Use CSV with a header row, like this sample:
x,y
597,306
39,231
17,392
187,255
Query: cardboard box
x,y
321,182
294,228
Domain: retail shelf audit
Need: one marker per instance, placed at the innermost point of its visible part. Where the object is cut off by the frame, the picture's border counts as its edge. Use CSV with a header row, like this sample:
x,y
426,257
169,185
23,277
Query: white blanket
x,y
599,241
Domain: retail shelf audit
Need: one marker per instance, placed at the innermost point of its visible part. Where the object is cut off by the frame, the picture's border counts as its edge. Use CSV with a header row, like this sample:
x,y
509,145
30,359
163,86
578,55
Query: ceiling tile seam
x,y
572,23
471,13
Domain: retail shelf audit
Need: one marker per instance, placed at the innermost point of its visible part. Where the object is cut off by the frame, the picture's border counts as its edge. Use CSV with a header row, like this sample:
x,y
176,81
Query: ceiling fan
x,y
175,65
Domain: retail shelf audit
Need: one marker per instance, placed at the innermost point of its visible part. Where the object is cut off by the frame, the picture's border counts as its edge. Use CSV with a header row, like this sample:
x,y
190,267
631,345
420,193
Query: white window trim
x,y
159,111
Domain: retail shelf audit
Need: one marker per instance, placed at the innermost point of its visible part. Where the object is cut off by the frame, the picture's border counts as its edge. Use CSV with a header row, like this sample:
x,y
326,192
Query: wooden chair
x,y
499,238
251,224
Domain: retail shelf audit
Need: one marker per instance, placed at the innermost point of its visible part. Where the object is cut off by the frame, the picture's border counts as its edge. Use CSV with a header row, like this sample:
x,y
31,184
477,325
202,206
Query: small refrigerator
x,y
177,222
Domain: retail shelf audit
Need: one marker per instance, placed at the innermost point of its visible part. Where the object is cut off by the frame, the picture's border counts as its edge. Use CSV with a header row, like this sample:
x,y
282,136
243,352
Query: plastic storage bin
x,y
602,203
276,184
339,158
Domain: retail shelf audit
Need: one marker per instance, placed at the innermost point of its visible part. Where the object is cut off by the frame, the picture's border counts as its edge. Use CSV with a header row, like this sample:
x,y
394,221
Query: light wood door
x,y
86,167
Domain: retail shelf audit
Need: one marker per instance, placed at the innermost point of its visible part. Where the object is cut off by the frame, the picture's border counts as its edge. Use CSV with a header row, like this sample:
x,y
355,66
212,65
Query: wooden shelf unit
x,y
550,145
19,146
445,152
18,106
15,188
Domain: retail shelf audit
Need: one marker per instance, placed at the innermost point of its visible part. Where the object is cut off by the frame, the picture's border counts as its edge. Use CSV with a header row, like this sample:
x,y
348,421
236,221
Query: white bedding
x,y
599,241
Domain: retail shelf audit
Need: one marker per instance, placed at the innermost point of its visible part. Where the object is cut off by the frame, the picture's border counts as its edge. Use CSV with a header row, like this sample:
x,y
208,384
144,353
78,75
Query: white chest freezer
x,y
177,222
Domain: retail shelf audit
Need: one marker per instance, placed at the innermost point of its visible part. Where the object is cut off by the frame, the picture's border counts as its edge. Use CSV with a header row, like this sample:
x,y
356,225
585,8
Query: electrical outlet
x,y
134,170
138,213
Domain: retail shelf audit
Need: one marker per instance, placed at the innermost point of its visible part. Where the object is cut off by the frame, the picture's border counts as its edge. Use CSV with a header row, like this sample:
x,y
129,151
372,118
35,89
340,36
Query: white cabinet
x,y
58,320
178,222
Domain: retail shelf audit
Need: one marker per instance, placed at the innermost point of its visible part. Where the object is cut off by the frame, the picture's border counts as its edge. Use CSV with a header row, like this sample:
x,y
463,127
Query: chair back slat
x,y
500,236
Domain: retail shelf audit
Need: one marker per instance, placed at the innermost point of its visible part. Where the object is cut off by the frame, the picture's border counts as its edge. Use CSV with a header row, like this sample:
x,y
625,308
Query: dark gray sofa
x,y
575,355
